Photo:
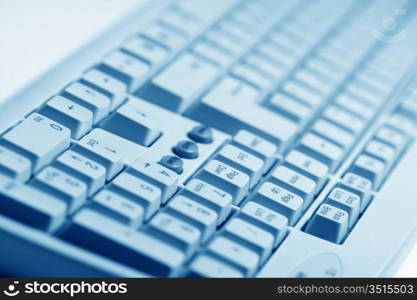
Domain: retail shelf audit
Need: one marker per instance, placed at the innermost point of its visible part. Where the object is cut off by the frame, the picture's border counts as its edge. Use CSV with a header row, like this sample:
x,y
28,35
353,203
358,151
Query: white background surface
x,y
36,35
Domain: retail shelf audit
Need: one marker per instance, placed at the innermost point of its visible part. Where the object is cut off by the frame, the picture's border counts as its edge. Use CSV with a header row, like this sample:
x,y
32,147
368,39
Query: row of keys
x,y
347,201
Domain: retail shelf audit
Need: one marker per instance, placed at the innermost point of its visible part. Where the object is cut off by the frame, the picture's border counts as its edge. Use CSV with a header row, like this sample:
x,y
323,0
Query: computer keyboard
x,y
208,139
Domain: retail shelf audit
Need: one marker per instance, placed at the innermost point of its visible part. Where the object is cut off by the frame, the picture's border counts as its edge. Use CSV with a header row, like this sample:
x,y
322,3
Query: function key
x,y
201,134
186,149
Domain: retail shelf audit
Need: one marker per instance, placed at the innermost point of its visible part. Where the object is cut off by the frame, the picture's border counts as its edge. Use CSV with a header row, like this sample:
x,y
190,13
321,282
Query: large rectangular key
x,y
108,237
14,165
39,139
177,87
232,105
31,206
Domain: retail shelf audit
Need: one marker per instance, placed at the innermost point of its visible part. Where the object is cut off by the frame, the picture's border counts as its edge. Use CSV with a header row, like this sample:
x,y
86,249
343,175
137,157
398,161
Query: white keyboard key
x,y
106,84
355,106
164,36
280,200
252,76
139,191
226,178
329,223
198,215
118,208
256,145
344,119
209,267
308,166
290,108
134,123
286,60
210,196
303,93
28,137
392,137
175,232
370,168
88,171
401,123
182,21
222,108
242,161
295,182
14,165
126,68
31,206
265,65
91,99
70,114
358,185
172,89
146,50
213,53
382,151
347,201
265,218
104,153
239,256
62,186
225,42
321,149
333,133
322,85
163,178
101,234
249,236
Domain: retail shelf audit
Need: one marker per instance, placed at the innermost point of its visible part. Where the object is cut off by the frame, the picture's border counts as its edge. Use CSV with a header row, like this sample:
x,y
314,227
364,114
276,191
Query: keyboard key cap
x,y
401,123
91,99
239,256
25,139
242,161
209,267
256,145
249,236
147,50
322,150
118,208
307,166
381,151
164,36
173,163
346,201
392,137
165,179
134,123
14,165
31,206
344,119
102,152
295,182
290,108
210,196
175,232
280,200
333,133
108,237
79,166
181,21
171,88
252,76
106,84
303,93
61,186
266,219
355,106
68,113
266,66
329,223
213,53
359,186
226,178
139,191
370,168
126,68
225,42
201,134
186,149
200,216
